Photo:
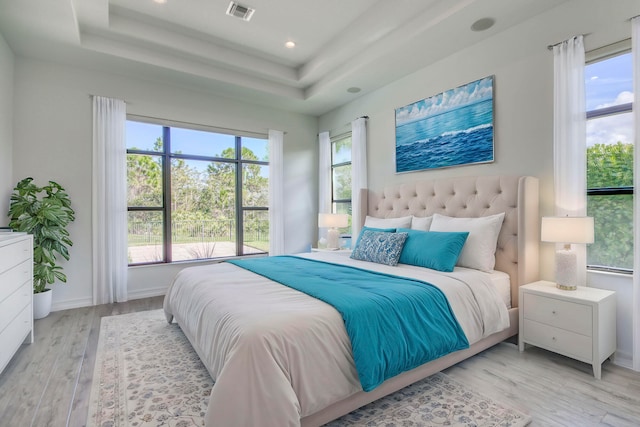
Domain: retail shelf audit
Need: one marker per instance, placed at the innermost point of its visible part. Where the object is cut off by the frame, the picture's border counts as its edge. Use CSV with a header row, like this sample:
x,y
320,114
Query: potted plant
x,y
45,212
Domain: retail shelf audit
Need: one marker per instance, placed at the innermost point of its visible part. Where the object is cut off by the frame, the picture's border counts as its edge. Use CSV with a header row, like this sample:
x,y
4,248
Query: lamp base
x,y
566,270
333,239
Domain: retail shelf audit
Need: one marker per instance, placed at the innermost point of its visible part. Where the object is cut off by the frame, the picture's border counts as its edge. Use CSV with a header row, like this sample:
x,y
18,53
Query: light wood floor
x,y
48,383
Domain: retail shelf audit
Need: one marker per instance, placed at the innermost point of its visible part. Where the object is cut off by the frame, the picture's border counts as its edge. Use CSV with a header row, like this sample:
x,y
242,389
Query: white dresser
x,y
580,324
16,293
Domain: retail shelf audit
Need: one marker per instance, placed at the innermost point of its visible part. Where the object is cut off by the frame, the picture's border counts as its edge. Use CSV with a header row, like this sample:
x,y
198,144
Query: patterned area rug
x,y
147,374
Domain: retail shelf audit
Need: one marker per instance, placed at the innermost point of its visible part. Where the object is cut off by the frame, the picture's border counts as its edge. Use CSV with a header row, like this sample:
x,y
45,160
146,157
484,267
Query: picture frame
x,y
452,128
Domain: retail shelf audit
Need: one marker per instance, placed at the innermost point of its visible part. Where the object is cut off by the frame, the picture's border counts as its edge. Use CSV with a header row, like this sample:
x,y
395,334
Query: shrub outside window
x,y
610,150
195,194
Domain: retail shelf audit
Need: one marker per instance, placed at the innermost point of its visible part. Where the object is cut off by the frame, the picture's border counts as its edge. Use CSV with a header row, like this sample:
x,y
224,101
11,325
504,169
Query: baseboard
x,y
87,302
147,293
73,303
623,359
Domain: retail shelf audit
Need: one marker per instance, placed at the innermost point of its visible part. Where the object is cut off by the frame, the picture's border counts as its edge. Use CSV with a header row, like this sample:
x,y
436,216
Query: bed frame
x,y
516,253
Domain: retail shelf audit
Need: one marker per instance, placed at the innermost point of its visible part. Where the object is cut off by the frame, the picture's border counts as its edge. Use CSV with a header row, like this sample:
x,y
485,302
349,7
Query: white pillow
x,y
402,222
479,251
421,223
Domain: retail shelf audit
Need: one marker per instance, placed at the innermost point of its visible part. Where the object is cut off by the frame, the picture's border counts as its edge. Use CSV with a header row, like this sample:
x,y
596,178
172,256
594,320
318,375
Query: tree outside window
x,y
341,178
609,97
195,194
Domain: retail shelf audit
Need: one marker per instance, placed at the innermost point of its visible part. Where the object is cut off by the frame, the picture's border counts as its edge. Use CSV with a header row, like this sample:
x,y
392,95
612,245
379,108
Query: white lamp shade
x,y
328,220
566,229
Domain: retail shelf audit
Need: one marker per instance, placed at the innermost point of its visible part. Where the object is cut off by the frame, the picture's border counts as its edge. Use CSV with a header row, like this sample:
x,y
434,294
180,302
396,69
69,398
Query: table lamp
x,y
567,230
333,222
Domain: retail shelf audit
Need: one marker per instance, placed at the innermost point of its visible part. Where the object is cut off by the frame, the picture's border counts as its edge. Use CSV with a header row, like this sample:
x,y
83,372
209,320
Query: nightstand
x,y
337,251
580,324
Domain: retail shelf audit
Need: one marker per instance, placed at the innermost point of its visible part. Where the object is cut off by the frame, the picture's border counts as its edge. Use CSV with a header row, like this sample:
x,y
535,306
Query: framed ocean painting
x,y
451,128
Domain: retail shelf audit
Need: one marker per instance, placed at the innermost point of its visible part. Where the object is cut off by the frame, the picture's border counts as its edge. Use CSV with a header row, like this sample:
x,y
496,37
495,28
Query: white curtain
x,y
635,53
276,192
569,136
358,172
324,173
109,201
324,177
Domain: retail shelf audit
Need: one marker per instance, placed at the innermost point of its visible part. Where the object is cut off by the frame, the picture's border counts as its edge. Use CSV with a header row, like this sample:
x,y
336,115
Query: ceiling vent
x,y
239,11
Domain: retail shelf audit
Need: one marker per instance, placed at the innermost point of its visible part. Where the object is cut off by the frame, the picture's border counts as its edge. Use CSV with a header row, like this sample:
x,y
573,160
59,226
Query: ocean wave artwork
x,y
451,128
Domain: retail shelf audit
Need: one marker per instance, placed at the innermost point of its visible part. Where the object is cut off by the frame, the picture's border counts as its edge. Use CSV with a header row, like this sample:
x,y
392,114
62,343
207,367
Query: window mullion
x,y
239,204
166,194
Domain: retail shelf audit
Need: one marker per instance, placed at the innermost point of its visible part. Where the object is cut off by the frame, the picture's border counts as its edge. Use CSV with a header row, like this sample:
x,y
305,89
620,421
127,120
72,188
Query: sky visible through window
x,y
608,83
143,136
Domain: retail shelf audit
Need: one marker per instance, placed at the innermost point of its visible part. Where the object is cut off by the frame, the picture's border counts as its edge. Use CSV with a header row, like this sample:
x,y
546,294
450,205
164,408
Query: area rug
x,y
147,374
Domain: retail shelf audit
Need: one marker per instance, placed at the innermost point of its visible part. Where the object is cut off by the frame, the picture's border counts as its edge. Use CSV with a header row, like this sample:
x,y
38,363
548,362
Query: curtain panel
x,y
324,177
569,136
276,192
358,172
109,201
635,53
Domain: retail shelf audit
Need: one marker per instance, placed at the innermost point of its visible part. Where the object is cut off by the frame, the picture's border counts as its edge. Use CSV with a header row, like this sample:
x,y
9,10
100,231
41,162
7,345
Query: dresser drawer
x,y
559,340
14,254
571,316
13,336
14,304
14,278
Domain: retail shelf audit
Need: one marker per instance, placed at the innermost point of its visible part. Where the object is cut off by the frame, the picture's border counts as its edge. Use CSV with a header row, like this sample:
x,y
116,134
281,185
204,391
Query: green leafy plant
x,y
45,212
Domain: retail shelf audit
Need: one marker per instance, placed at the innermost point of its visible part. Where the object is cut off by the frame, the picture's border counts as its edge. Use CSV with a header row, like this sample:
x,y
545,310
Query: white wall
x,y
53,140
523,100
6,129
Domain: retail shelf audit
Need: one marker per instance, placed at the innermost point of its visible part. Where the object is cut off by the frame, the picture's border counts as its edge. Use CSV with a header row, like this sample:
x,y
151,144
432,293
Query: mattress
x,y
500,280
278,355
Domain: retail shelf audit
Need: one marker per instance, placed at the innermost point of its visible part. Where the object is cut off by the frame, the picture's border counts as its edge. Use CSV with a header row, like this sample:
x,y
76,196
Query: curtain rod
x,y
551,46
344,126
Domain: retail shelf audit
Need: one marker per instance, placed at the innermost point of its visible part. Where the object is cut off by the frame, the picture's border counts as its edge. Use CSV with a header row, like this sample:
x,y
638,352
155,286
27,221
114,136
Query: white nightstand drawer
x,y
14,304
559,340
14,278
567,315
11,255
13,336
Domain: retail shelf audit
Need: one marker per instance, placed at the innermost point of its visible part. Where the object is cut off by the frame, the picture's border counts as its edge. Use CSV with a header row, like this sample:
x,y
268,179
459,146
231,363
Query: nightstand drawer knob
x,y
553,312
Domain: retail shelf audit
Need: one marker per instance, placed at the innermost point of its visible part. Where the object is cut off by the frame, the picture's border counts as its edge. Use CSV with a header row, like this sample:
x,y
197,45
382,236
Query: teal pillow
x,y
382,230
437,250
379,247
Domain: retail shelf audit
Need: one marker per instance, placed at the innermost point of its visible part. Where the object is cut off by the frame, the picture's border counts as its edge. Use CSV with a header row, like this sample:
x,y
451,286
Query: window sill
x,y
195,262
607,271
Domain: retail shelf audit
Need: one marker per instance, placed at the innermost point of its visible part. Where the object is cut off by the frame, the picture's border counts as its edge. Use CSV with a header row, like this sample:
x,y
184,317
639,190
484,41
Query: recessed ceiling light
x,y
160,1
482,24
290,44
354,89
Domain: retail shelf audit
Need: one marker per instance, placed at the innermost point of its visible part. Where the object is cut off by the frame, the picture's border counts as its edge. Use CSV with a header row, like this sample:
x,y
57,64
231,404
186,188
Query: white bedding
x,y
278,355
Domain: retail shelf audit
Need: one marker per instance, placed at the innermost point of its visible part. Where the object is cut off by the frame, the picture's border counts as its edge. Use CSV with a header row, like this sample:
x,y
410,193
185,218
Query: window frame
x,y
334,202
166,156
599,55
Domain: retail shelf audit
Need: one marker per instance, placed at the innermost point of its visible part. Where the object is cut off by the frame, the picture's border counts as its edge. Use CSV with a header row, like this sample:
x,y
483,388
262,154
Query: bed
x,y
282,358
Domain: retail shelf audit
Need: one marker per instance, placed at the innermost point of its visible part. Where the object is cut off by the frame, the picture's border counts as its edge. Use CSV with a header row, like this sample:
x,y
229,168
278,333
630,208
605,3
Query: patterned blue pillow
x,y
365,228
380,247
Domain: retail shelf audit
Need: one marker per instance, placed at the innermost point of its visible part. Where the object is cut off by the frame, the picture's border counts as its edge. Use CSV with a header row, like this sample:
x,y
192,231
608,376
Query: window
x,y
195,194
341,178
609,99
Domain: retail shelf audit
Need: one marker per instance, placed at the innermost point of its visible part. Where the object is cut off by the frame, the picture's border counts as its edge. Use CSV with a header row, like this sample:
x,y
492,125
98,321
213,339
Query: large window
x,y
609,98
341,178
195,194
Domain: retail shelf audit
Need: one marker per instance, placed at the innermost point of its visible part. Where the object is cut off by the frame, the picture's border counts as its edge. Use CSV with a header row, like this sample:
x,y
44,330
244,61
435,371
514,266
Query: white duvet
x,y
277,354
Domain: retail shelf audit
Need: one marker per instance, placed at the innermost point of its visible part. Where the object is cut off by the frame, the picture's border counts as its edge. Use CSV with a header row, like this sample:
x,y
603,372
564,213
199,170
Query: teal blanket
x,y
395,324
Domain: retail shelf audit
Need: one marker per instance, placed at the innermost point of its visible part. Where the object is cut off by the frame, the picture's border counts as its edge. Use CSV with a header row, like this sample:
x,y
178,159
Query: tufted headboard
x,y
516,196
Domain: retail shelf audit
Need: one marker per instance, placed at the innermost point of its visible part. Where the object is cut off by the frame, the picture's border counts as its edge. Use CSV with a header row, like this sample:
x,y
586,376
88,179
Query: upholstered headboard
x,y
516,196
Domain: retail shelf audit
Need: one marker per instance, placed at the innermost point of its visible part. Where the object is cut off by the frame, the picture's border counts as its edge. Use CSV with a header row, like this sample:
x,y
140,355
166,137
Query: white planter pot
x,y
42,304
